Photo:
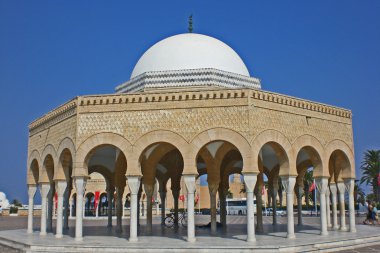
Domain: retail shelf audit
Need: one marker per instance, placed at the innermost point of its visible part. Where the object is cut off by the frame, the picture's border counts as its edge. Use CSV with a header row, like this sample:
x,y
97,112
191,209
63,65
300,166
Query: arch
x,y
281,144
316,152
339,145
99,139
220,134
66,145
150,138
49,150
34,162
49,161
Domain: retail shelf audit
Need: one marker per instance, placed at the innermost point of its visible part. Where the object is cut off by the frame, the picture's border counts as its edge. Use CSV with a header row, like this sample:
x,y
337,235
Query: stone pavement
x,y
98,238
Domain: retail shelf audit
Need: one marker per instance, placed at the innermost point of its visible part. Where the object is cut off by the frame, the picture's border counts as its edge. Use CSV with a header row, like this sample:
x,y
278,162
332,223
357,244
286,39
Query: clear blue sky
x,y
52,51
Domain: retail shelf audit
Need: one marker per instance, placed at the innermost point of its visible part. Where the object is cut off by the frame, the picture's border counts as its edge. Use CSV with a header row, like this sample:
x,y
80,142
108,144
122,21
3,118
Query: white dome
x,y
190,51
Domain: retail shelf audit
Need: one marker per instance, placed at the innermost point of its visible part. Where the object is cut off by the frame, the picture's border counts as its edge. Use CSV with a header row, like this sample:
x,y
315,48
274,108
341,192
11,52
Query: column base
x,y
353,230
324,233
251,239
192,239
343,229
336,227
291,236
43,233
58,236
329,225
133,239
79,239
30,231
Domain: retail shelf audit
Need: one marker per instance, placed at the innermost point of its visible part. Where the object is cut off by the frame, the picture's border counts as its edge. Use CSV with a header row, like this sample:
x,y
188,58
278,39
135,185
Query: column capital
x,y
44,189
288,182
149,189
322,184
250,180
190,182
333,188
349,184
341,187
134,184
32,188
80,184
61,187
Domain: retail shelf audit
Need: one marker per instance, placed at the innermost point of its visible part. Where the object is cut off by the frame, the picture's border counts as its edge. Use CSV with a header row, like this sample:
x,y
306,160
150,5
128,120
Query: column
x,y
110,191
119,206
134,186
333,189
259,206
350,184
190,186
149,188
31,193
163,203
213,189
123,206
322,184
71,207
288,182
250,182
67,207
300,192
61,188
328,207
44,189
175,192
80,185
223,210
49,222
274,200
341,189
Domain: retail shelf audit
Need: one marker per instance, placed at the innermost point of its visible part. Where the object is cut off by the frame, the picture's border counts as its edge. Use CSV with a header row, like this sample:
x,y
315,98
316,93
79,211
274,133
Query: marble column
x,y
342,211
134,187
322,184
31,193
110,191
274,200
259,202
163,203
213,189
250,182
149,188
190,186
175,192
328,208
67,207
80,185
300,192
123,206
61,188
71,207
223,209
333,190
44,189
288,183
50,200
350,185
119,206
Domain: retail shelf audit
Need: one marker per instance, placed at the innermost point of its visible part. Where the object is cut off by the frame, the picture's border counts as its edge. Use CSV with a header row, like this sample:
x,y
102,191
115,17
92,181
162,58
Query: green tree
x,y
359,195
16,202
370,167
307,182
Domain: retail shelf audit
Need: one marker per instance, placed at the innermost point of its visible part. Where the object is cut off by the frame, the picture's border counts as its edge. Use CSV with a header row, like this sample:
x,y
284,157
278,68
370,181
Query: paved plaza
x,y
97,237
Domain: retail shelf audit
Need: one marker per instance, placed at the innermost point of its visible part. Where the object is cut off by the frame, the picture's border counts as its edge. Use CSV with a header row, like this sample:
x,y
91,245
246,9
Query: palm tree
x,y
359,195
307,182
370,167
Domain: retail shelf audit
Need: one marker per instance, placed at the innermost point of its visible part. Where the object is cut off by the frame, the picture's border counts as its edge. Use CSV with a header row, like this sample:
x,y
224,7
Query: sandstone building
x,y
190,108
